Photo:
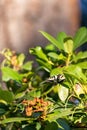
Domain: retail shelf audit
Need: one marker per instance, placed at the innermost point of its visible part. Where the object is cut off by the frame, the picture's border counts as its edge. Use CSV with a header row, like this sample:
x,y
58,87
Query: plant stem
x,y
68,59
48,91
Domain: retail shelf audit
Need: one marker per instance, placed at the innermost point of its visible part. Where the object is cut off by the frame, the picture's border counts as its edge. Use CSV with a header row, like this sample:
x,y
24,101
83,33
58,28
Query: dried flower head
x,y
36,105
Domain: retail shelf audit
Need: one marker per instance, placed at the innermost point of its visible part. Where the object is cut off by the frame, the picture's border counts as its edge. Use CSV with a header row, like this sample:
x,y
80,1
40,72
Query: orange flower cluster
x,y
36,105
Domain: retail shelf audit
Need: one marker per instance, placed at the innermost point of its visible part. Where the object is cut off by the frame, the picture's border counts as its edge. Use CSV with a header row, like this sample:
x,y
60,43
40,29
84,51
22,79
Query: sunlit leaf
x,y
76,72
50,47
21,58
56,71
59,113
39,53
83,64
68,46
38,126
63,92
27,66
35,93
80,37
19,95
8,73
14,119
56,56
52,40
84,86
80,56
53,55
60,37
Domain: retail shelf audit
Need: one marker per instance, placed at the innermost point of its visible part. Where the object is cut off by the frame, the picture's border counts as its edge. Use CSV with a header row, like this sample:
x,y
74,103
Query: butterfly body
x,y
55,79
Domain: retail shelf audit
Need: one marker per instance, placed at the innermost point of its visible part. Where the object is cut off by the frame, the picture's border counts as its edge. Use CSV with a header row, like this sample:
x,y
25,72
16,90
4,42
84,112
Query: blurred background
x,y
21,20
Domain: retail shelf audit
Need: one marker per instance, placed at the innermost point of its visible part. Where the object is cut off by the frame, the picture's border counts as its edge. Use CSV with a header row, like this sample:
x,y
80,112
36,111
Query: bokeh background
x,y
21,20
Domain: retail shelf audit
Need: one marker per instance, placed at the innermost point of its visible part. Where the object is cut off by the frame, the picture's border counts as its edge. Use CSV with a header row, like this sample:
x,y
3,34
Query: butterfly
x,y
55,79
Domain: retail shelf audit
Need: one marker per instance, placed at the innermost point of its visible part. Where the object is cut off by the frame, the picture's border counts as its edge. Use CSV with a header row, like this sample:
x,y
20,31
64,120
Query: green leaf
x,y
63,92
80,37
14,119
8,73
83,65
51,126
50,47
84,119
3,108
76,72
9,126
28,127
46,66
6,96
20,89
63,124
38,126
21,58
56,56
35,93
3,101
27,66
19,95
59,113
39,53
60,37
56,71
53,55
68,46
2,111
80,56
52,40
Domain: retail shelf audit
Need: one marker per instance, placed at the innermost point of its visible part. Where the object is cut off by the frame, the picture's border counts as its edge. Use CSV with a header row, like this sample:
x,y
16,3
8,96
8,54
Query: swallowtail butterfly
x,y
55,79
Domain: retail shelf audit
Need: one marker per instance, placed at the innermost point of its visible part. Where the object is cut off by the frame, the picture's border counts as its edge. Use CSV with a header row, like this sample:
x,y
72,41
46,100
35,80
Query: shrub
x,y
52,95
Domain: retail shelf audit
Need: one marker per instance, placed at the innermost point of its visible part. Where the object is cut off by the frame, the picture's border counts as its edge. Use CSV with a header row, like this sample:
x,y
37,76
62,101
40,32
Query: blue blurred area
x,y
83,6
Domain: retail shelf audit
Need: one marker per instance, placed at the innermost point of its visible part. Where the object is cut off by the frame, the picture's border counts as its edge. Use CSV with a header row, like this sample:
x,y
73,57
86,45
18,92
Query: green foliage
x,y
6,96
80,37
9,73
38,98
